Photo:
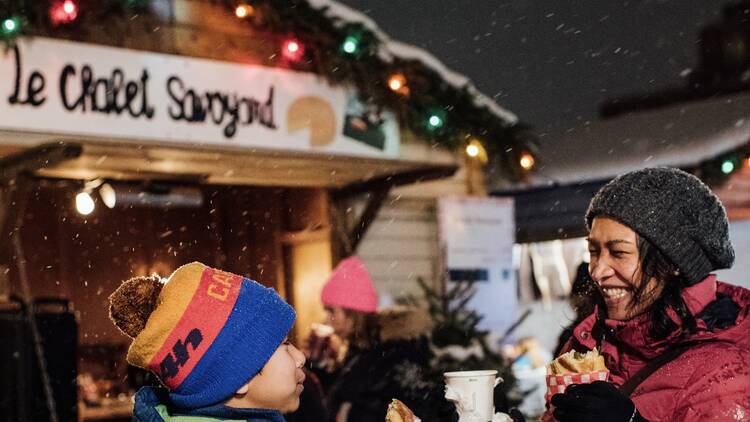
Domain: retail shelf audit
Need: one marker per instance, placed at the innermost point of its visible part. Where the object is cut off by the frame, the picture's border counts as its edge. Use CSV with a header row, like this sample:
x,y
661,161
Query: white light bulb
x,y
108,194
84,203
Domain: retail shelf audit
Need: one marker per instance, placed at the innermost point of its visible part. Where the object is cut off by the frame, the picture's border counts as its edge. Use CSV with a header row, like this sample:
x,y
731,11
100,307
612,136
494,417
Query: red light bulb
x,y
292,50
63,12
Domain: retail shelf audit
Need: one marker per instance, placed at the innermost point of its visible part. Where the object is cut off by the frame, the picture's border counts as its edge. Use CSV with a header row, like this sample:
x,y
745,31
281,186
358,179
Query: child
x,y
216,341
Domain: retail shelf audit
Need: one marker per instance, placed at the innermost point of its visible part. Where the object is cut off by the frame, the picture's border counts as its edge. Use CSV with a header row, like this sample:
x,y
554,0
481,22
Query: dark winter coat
x,y
394,368
152,405
708,382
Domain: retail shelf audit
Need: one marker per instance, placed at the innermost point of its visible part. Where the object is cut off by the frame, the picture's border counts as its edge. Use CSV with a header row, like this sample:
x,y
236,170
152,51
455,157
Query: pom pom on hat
x,y
350,287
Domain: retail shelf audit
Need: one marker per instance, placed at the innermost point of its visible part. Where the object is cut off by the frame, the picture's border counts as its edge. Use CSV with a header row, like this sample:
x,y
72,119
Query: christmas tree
x,y
459,345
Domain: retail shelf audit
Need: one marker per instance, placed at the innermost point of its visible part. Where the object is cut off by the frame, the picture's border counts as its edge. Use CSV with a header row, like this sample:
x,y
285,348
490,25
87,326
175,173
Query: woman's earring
x,y
676,273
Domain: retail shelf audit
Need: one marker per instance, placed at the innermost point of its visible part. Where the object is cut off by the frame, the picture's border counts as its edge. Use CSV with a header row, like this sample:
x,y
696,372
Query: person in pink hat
x,y
351,302
386,349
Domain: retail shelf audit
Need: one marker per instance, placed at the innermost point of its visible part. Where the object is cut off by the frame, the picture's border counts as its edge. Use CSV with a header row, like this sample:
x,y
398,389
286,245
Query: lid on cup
x,y
482,373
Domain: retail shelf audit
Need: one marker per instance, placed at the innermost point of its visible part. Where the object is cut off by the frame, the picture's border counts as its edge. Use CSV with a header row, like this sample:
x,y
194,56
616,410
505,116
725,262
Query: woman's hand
x,y
516,415
598,401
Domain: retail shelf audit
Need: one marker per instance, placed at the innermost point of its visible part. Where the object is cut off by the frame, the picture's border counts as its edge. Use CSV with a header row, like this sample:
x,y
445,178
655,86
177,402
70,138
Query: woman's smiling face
x,y
616,267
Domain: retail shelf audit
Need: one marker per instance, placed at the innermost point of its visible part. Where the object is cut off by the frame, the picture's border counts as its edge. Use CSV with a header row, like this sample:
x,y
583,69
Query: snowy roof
x,y
391,49
683,135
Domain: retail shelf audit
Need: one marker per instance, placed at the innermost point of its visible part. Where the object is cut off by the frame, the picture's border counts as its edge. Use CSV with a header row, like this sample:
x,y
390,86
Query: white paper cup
x,y
476,391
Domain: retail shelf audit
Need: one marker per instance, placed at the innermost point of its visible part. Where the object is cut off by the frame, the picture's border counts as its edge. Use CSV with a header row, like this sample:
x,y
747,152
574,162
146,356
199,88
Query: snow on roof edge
x,y
393,48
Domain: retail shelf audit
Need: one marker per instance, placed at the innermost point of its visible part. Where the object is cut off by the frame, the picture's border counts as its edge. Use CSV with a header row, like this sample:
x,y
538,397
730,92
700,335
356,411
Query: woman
x,y
675,340
350,302
387,351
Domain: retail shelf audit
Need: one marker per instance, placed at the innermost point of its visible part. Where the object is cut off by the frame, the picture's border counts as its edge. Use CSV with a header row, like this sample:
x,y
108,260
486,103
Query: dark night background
x,y
553,62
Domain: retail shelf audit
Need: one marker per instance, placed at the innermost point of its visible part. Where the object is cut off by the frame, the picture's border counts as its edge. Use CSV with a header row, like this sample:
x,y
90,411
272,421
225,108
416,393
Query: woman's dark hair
x,y
584,293
667,295
365,329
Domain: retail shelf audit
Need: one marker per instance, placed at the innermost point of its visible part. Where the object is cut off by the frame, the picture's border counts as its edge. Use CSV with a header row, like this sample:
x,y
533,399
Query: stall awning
x,y
236,166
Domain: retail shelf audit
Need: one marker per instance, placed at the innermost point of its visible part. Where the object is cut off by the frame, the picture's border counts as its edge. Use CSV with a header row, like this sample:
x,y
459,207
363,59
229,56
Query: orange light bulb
x,y
527,161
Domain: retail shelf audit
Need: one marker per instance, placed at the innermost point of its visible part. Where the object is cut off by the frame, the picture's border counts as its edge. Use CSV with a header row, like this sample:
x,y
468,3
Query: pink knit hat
x,y
350,287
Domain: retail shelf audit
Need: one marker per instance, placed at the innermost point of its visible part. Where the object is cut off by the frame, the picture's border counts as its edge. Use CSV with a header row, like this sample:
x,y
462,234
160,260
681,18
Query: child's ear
x,y
243,390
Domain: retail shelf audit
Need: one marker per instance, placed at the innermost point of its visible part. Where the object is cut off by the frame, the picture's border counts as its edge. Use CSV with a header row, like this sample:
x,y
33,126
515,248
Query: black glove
x,y
595,402
516,415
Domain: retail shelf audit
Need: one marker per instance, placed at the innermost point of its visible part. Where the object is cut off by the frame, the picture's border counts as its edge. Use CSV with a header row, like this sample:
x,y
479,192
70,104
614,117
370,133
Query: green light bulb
x,y
435,121
10,26
351,43
727,167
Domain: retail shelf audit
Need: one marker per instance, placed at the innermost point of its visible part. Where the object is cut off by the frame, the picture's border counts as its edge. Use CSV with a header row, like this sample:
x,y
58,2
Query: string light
x,y
475,150
243,10
727,166
10,26
69,7
356,41
435,121
397,83
63,12
292,50
527,161
350,45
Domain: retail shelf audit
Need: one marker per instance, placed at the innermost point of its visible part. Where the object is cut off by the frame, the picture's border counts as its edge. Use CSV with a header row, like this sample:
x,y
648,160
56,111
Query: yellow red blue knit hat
x,y
210,333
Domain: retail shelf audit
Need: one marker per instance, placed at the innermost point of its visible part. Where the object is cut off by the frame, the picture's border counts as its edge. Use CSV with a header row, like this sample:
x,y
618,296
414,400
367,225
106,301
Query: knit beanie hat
x,y
206,334
676,212
350,287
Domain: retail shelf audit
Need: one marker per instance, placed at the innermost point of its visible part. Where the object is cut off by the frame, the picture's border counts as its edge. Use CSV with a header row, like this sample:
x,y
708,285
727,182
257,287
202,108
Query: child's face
x,y
279,383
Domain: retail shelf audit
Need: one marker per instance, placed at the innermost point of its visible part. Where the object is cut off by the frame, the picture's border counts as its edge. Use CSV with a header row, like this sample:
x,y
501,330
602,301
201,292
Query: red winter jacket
x,y
708,382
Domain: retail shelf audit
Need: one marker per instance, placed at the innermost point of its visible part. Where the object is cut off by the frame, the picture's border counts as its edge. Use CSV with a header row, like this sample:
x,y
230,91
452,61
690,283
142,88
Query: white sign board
x,y
62,87
477,235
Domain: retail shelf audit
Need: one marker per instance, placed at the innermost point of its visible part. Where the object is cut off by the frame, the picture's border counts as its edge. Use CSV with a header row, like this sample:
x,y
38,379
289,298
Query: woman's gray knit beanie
x,y
675,212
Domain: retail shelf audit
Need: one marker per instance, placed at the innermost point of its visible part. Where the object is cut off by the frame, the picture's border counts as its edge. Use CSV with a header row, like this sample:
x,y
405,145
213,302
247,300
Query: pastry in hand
x,y
398,412
577,363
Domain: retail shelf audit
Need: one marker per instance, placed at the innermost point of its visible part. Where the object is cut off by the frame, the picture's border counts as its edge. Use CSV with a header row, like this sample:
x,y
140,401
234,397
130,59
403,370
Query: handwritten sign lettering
x,y
60,87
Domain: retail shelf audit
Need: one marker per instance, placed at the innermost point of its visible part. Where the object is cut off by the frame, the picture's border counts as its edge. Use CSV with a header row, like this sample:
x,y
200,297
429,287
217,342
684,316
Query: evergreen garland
x,y
364,69
35,14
